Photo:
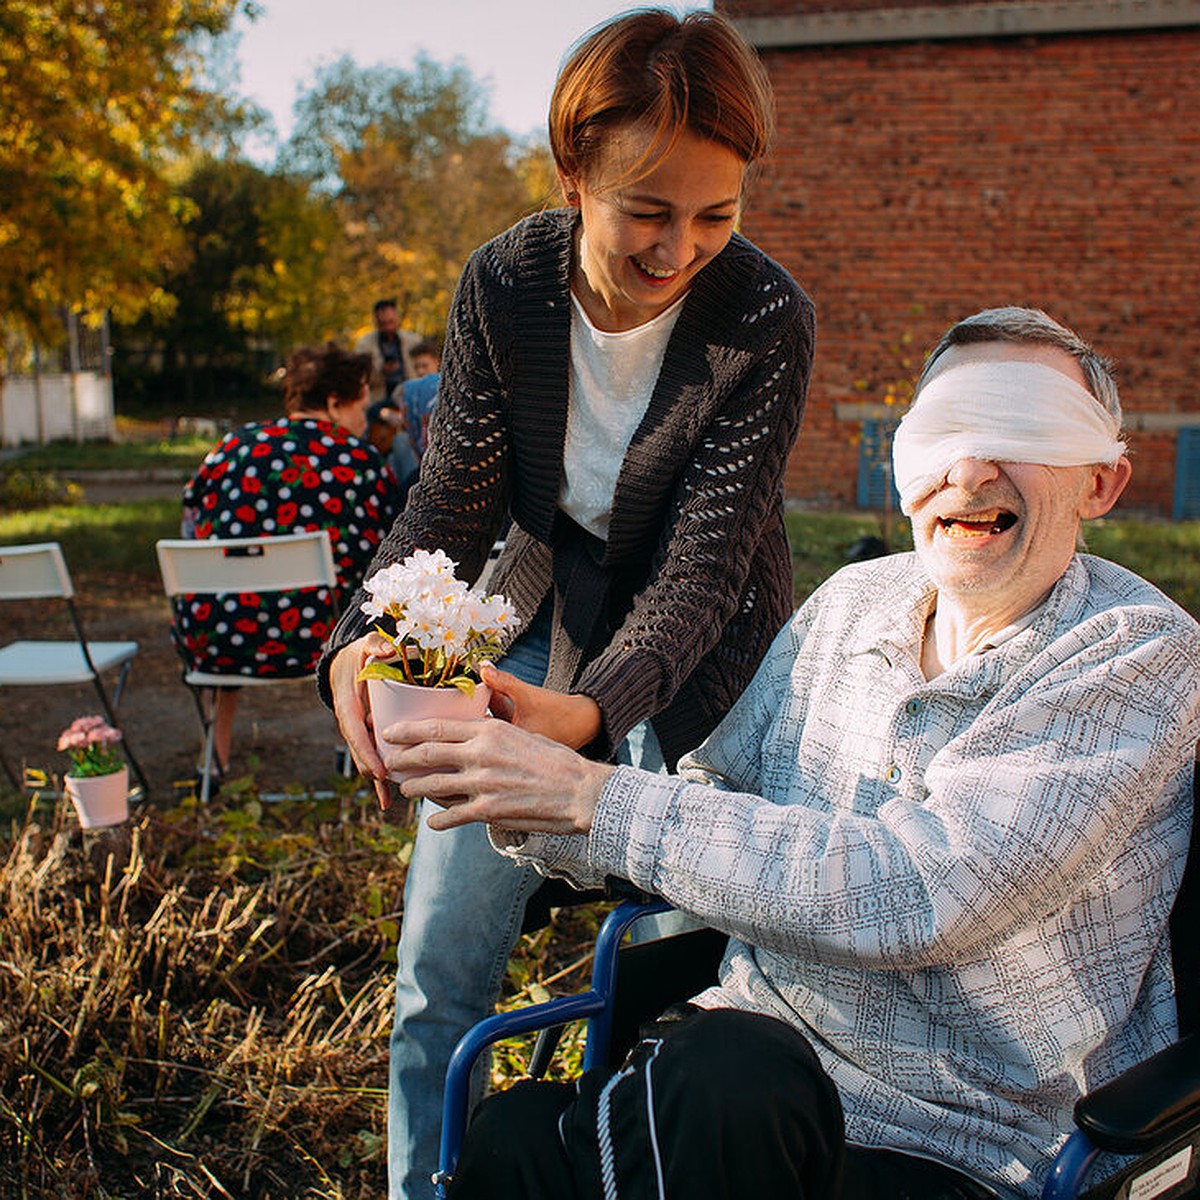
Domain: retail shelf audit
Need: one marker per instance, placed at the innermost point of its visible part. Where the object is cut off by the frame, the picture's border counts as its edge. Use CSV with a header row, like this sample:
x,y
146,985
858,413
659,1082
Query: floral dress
x,y
283,476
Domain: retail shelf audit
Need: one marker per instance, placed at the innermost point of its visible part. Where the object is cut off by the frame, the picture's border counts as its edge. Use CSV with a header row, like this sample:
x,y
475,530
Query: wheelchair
x,y
1150,1114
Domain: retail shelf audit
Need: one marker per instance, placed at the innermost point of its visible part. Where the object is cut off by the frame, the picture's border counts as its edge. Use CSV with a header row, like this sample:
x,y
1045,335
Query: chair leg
x,y
110,713
206,769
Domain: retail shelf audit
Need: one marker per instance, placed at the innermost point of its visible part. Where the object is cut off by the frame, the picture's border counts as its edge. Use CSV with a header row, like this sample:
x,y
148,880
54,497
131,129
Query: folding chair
x,y
257,564
39,572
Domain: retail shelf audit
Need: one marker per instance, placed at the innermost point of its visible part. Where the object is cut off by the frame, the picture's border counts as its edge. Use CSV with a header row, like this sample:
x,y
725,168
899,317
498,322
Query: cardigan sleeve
x,y
459,502
726,497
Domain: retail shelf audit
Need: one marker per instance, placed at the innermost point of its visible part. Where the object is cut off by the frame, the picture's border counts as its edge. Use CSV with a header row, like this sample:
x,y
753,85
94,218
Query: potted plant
x,y
442,631
98,781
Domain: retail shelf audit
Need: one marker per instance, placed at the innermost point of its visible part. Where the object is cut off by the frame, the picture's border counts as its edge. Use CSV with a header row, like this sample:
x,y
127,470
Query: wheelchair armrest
x,y
1149,1105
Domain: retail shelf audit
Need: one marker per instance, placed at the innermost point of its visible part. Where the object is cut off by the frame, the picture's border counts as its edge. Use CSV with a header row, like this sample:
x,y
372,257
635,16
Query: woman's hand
x,y
572,720
494,772
353,711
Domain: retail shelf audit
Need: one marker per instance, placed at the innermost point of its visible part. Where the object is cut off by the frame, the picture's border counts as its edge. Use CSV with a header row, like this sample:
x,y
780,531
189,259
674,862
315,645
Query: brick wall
x,y
916,182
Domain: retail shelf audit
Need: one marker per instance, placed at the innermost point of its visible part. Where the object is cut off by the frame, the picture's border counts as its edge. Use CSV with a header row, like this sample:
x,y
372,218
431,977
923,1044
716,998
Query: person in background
x,y
419,395
312,468
943,828
623,377
403,418
390,350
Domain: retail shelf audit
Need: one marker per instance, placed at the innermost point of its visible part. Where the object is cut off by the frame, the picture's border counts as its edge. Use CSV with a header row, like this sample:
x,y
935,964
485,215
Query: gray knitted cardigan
x,y
669,618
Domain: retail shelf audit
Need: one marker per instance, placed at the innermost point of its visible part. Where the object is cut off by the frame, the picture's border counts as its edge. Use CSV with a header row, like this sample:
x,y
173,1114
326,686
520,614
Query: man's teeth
x,y
978,525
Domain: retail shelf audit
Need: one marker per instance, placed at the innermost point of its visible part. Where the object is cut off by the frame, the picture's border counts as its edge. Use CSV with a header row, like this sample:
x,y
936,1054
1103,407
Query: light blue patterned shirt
x,y
958,888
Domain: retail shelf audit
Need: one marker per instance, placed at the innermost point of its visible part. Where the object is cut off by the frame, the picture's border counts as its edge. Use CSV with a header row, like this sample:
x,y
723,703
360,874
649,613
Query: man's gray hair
x,y
1013,324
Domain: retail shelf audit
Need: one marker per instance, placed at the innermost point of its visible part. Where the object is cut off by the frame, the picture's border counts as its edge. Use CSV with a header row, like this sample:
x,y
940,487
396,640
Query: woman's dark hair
x,y
672,74
314,373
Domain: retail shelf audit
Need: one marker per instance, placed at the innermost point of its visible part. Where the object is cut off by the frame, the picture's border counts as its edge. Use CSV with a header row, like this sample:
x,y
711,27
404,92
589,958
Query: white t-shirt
x,y
612,378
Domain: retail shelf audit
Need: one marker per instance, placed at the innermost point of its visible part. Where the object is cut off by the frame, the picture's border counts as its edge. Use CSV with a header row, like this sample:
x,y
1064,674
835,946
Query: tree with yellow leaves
x,y
96,101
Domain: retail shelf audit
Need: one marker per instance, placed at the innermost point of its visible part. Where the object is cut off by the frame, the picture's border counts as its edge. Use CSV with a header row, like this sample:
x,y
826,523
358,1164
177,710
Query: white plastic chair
x,y
39,572
258,564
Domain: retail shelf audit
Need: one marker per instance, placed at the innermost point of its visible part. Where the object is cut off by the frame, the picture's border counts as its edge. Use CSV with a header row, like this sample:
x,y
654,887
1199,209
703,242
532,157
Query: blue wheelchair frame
x,y
1154,1106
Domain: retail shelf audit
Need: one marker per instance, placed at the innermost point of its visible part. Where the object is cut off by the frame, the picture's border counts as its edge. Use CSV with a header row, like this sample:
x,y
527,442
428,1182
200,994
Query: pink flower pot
x,y
392,701
100,799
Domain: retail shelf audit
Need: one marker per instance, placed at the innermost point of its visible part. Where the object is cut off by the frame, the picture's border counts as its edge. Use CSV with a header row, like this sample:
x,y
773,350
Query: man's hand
x,y
494,772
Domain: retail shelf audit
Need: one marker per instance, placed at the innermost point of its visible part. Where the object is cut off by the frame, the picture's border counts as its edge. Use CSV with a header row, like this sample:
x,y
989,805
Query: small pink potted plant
x,y
98,781
443,630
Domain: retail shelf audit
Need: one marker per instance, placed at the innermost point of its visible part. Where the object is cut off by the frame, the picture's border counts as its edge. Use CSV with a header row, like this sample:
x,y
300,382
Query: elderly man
x,y
943,828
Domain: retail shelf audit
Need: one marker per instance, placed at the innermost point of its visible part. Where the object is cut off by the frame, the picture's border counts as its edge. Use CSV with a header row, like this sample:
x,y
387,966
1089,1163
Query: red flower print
x,y
202,611
273,648
287,513
333,504
310,479
289,619
245,625
252,484
344,474
289,475
249,599
244,512
261,450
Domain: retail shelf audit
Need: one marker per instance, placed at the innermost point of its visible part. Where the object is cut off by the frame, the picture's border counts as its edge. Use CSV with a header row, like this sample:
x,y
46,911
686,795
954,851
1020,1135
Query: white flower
x,y
443,629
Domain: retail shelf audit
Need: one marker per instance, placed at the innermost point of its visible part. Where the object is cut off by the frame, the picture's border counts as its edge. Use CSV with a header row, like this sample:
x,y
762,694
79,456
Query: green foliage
x,y
95,100
253,270
182,454
109,541
23,490
398,150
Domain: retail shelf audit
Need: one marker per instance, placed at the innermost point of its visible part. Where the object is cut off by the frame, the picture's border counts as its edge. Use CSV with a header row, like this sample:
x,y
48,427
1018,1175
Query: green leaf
x,y
382,670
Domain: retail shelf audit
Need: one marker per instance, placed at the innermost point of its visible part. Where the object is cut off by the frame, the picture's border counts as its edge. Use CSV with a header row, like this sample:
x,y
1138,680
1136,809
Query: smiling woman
x,y
622,382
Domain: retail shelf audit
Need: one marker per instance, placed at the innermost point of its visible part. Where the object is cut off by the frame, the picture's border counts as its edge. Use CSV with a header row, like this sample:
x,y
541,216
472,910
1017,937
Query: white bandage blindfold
x,y
1011,411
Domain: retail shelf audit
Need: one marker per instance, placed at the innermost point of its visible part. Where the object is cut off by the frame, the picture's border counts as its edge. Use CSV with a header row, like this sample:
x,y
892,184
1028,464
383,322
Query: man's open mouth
x,y
978,524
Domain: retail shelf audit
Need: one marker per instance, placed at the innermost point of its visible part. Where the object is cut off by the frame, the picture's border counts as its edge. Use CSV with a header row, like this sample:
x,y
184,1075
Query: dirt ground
x,y
284,735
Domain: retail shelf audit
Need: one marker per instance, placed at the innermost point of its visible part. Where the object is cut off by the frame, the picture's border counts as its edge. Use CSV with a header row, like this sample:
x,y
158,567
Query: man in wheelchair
x,y
943,828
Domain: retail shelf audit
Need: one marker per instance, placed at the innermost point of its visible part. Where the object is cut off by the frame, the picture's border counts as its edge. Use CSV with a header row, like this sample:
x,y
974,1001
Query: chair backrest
x,y
34,572
257,564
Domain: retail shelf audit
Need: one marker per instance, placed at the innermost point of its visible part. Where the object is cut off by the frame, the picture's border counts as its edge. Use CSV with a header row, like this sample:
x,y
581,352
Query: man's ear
x,y
1105,485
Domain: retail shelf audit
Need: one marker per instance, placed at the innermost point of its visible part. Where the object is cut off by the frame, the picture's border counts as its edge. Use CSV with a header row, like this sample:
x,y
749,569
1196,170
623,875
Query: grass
x,y
102,543
181,454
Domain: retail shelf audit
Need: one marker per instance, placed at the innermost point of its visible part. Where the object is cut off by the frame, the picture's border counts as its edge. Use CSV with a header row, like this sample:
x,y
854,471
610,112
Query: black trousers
x,y
713,1105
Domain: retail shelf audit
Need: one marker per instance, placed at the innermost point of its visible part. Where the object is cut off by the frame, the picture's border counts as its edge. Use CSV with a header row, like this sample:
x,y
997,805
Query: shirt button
x,y
893,775
912,707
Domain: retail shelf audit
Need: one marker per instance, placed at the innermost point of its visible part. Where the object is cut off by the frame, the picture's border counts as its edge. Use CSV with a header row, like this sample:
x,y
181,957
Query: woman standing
x,y
623,378
312,468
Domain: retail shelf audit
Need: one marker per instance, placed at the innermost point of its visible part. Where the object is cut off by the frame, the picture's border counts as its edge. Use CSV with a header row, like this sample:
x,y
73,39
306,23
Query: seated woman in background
x,y
310,469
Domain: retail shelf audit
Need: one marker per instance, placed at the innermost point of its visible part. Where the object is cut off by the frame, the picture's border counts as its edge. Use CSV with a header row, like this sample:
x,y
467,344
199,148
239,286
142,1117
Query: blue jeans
x,y
463,907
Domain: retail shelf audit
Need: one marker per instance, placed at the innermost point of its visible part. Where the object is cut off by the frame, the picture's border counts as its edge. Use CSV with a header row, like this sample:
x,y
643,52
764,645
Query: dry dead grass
x,y
198,1004
198,1008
